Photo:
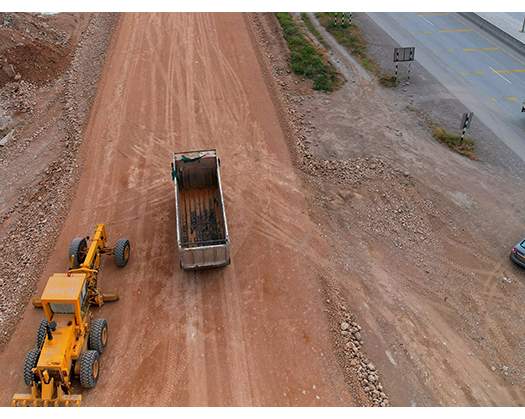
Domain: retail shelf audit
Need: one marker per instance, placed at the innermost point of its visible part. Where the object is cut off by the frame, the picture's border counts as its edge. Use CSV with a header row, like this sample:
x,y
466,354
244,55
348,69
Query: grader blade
x,y
109,297
27,400
37,302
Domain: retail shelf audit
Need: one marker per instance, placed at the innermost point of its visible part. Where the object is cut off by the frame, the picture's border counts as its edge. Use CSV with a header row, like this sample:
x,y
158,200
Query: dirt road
x,y
254,333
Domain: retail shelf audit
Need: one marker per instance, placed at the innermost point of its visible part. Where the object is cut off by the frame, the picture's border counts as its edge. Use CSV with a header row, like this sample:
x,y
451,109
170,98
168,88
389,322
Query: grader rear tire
x,y
41,334
29,363
121,252
98,335
89,369
78,249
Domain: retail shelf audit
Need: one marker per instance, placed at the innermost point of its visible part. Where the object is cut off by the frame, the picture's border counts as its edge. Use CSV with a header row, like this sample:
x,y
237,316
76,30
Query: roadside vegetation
x,y
305,59
351,37
453,141
313,30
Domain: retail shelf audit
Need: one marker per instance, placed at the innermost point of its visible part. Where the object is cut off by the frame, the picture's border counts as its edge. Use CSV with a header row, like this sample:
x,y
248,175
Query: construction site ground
x,y
369,263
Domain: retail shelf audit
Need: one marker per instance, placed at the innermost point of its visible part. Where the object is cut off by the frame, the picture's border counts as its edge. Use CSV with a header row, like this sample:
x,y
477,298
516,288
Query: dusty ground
x,y
254,333
47,81
424,236
385,243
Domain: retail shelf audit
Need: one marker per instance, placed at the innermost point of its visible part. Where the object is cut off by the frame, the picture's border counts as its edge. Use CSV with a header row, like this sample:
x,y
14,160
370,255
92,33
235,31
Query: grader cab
x,y
69,341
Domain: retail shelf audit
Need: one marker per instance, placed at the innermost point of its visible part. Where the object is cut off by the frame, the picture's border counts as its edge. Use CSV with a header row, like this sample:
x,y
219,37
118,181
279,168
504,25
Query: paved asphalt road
x,y
484,74
508,22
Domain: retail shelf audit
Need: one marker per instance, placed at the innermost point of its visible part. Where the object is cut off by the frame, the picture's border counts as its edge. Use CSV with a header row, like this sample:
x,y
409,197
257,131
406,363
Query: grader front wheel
x,y
77,251
121,252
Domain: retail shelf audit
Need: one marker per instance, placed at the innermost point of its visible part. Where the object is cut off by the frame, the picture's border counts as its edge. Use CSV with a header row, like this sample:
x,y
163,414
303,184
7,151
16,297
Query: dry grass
x,y
453,141
313,30
351,37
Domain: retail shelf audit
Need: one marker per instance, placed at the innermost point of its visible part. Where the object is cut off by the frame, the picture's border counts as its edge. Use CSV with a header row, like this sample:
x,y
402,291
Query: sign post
x,y
404,54
344,16
465,123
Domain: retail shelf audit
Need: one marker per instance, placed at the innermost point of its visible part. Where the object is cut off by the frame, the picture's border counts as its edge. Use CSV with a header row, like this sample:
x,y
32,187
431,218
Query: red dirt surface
x,y
254,333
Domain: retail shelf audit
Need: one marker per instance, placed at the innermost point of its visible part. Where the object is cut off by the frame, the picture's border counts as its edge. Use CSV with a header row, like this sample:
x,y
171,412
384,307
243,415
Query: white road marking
x,y
503,77
426,20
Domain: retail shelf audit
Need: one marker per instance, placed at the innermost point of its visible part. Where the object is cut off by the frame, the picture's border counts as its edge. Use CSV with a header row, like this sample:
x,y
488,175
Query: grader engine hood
x,y
55,351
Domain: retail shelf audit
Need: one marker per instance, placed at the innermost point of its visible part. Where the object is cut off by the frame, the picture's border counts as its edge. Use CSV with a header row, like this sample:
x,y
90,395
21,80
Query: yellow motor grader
x,y
69,341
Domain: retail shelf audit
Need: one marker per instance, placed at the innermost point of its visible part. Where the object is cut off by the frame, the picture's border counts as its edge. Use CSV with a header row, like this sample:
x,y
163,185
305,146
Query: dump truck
x,y
69,341
202,231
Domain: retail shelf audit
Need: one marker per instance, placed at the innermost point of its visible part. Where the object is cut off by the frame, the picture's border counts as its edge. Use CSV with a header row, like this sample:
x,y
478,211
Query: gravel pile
x,y
368,375
41,208
389,207
34,26
18,97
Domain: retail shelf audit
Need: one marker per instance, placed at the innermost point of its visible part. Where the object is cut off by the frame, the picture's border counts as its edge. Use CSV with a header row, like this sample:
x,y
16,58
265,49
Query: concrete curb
x,y
498,33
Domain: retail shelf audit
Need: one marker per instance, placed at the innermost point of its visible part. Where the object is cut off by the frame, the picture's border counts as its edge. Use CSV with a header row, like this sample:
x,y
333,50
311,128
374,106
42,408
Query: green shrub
x,y
305,59
313,30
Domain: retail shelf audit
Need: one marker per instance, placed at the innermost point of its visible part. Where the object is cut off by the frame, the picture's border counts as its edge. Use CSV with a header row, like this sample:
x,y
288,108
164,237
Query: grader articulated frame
x,y
69,341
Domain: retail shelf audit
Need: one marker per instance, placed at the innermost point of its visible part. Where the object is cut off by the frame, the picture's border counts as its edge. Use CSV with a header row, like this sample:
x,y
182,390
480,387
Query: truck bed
x,y
202,231
201,216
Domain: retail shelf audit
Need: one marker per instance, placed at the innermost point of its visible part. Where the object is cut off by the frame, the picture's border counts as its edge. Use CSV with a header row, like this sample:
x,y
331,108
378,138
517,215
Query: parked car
x,y
517,254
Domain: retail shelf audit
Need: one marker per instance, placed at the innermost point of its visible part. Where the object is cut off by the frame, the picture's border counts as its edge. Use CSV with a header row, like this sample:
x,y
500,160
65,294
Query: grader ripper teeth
x,y
33,400
69,340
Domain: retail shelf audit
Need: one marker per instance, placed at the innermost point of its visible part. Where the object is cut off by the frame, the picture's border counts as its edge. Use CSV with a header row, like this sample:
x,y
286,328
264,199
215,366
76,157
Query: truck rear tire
x,y
121,252
77,249
41,334
98,335
29,363
89,369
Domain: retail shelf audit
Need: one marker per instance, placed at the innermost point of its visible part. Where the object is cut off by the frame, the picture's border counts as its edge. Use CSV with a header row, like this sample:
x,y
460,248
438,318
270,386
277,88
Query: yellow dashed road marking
x,y
518,70
511,98
424,33
472,73
456,30
480,49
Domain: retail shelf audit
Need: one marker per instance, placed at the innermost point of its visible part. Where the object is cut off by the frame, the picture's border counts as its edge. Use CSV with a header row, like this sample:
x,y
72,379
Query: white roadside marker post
x,y
465,124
